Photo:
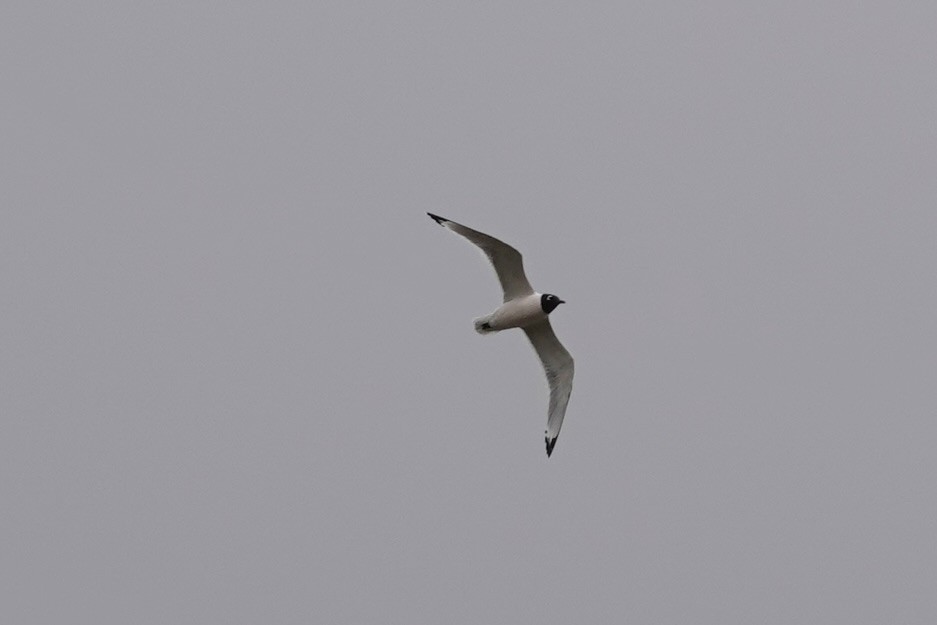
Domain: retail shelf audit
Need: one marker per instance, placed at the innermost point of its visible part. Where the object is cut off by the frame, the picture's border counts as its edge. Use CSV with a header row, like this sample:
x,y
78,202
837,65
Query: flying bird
x,y
529,310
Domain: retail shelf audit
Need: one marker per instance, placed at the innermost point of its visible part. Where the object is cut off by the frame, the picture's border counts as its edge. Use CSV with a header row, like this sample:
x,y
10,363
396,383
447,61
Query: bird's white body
x,y
517,313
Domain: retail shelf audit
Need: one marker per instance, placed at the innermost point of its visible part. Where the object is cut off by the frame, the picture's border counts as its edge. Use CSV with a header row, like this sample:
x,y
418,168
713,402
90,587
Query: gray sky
x,y
238,377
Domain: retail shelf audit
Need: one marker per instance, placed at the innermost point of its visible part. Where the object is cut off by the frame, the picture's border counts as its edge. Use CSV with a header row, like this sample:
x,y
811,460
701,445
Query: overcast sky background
x,y
238,377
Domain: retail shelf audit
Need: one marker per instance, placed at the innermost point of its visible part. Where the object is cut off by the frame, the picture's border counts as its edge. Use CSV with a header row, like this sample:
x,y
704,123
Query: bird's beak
x,y
562,302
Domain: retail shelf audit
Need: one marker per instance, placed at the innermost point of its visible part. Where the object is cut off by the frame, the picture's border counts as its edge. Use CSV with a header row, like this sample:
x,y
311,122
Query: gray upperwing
x,y
558,365
507,261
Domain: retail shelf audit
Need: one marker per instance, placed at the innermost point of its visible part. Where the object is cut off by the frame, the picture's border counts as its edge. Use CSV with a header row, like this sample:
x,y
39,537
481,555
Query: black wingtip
x,y
550,445
437,218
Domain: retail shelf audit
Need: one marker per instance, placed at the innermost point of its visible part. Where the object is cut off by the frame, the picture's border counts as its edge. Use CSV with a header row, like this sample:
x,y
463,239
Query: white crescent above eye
x,y
529,310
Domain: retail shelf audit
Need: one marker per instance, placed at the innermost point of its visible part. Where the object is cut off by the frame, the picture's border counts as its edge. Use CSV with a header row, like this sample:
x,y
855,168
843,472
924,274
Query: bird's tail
x,y
482,326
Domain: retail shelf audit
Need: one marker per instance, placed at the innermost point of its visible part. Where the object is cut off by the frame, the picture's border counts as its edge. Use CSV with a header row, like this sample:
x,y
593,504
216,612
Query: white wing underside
x,y
558,365
507,261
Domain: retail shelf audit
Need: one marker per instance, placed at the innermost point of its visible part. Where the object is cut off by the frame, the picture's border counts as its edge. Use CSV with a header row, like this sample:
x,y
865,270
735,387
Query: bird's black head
x,y
549,302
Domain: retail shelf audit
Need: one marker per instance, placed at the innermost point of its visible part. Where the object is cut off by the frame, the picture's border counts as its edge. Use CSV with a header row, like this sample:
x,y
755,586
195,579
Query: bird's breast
x,y
518,313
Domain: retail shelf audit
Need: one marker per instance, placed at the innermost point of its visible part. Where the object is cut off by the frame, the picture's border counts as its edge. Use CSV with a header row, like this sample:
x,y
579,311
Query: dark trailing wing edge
x,y
437,218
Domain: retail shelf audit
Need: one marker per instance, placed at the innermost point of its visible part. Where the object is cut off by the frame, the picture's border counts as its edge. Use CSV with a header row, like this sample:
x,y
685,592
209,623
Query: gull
x,y
529,310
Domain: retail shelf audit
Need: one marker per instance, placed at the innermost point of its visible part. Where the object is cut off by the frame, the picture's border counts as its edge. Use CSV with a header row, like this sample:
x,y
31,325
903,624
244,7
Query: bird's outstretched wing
x,y
558,365
507,261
